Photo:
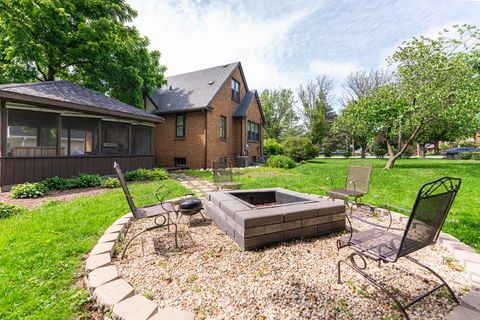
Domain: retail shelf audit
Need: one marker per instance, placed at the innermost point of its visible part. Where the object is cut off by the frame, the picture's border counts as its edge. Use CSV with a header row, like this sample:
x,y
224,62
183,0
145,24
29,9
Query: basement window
x,y
180,162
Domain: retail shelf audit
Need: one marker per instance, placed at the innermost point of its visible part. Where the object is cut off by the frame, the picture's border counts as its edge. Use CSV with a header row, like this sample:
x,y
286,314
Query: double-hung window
x,y
253,131
235,90
180,126
223,127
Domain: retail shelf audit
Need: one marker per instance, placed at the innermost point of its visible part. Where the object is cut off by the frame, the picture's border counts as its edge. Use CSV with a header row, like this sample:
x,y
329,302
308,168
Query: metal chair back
x,y
222,170
358,178
429,213
135,211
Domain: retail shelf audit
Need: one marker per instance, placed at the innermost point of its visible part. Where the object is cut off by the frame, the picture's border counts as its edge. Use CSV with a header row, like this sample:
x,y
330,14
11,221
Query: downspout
x,y
205,132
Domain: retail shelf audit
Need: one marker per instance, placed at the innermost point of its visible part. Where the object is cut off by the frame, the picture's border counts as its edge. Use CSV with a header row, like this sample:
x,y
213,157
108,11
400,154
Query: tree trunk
x,y
421,150
353,146
436,148
364,150
391,156
51,74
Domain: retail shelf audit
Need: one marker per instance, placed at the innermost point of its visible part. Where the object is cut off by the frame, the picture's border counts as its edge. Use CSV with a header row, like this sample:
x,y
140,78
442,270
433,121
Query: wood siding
x,y
17,170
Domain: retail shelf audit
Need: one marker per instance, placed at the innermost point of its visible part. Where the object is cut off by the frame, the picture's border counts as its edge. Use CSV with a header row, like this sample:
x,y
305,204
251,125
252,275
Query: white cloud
x,y
338,71
191,37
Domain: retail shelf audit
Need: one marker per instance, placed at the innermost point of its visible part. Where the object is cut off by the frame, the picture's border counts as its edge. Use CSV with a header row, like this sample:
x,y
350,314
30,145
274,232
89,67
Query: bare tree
x,y
362,82
317,111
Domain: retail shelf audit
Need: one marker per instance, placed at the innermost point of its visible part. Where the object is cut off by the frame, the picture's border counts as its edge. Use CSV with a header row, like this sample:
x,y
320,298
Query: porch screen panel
x,y
114,138
79,136
31,133
141,139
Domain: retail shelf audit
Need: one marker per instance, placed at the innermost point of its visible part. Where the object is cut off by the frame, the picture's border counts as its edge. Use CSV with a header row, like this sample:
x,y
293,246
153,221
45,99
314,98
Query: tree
x,y
353,121
362,83
317,111
87,42
437,79
280,116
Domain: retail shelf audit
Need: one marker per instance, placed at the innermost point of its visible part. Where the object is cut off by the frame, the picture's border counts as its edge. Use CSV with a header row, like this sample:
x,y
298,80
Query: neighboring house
x,y
208,114
58,128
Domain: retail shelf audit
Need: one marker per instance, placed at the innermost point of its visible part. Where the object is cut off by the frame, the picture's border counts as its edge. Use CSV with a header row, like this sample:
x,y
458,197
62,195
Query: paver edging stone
x,y
113,293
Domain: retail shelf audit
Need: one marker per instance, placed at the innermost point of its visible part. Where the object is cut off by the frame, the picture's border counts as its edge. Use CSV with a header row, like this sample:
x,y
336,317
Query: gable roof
x,y
242,109
70,96
193,90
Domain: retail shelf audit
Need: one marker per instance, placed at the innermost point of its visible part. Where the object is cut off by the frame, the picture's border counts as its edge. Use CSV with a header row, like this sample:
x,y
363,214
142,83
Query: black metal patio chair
x,y
160,211
357,182
223,174
427,217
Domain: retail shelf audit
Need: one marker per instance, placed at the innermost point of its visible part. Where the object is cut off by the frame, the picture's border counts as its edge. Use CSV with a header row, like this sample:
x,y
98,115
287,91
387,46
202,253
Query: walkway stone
x,y
95,261
113,292
172,314
105,247
135,308
101,276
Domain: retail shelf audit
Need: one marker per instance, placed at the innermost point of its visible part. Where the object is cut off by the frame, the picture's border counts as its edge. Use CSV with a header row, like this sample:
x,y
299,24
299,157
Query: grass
x,y
41,252
397,187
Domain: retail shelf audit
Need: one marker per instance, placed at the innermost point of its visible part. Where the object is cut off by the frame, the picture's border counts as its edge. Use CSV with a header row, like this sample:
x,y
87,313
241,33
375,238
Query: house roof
x,y
242,109
191,91
70,96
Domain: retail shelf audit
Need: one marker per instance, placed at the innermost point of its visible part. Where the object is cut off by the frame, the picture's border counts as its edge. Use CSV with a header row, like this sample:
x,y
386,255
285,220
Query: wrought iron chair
x,y
356,184
223,174
427,217
161,211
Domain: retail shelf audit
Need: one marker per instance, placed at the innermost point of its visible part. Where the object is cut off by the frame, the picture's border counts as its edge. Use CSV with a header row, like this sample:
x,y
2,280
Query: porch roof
x,y
73,97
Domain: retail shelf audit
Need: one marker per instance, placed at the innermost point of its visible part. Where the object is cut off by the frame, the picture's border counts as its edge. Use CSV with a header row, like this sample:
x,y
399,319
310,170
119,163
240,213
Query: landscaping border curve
x,y
115,294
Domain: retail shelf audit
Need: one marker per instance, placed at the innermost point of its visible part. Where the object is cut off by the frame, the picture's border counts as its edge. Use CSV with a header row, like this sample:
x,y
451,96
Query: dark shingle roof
x,y
242,108
65,91
191,91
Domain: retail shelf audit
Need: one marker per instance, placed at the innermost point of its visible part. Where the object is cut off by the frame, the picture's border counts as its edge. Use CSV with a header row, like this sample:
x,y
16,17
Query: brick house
x,y
208,114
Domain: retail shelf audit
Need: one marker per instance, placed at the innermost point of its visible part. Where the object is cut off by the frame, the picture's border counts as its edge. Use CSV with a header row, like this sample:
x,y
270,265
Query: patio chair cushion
x,y
345,193
377,242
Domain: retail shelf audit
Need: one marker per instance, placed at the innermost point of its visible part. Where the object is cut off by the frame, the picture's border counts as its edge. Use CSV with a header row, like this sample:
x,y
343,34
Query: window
x,y
180,126
31,133
235,90
223,127
141,139
180,162
79,136
114,138
253,131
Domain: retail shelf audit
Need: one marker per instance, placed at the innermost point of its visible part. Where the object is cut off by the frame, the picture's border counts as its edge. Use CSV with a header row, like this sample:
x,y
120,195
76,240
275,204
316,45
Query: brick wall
x,y
167,146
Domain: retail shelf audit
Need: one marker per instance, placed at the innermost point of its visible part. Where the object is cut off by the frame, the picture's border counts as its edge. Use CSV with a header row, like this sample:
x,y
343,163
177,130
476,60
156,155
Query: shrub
x,y
271,147
28,190
475,155
280,161
379,152
145,174
327,153
7,210
87,181
56,183
347,154
300,148
464,155
110,183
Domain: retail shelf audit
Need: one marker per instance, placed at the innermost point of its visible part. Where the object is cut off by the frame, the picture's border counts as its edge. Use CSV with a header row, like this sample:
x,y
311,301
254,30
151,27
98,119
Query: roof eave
x,y
69,106
182,111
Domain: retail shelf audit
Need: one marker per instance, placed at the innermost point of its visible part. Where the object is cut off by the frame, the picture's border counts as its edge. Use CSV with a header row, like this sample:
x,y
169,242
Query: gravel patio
x,y
211,277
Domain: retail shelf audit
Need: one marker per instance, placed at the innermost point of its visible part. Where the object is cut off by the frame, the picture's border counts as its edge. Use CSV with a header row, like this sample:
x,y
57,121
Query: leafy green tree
x,y
318,114
280,116
353,121
437,79
88,42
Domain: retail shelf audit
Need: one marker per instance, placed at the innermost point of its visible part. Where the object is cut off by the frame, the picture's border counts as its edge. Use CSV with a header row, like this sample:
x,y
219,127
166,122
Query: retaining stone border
x,y
115,294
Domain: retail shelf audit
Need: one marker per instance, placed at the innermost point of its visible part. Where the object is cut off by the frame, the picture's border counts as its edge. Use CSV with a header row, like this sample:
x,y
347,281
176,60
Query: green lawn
x,y
397,187
41,252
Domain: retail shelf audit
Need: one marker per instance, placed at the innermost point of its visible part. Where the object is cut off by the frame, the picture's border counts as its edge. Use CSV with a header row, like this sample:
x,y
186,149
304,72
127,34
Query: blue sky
x,y
285,43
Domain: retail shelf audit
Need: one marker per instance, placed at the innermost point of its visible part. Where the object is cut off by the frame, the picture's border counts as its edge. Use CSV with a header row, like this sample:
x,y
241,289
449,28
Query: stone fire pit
x,y
255,218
